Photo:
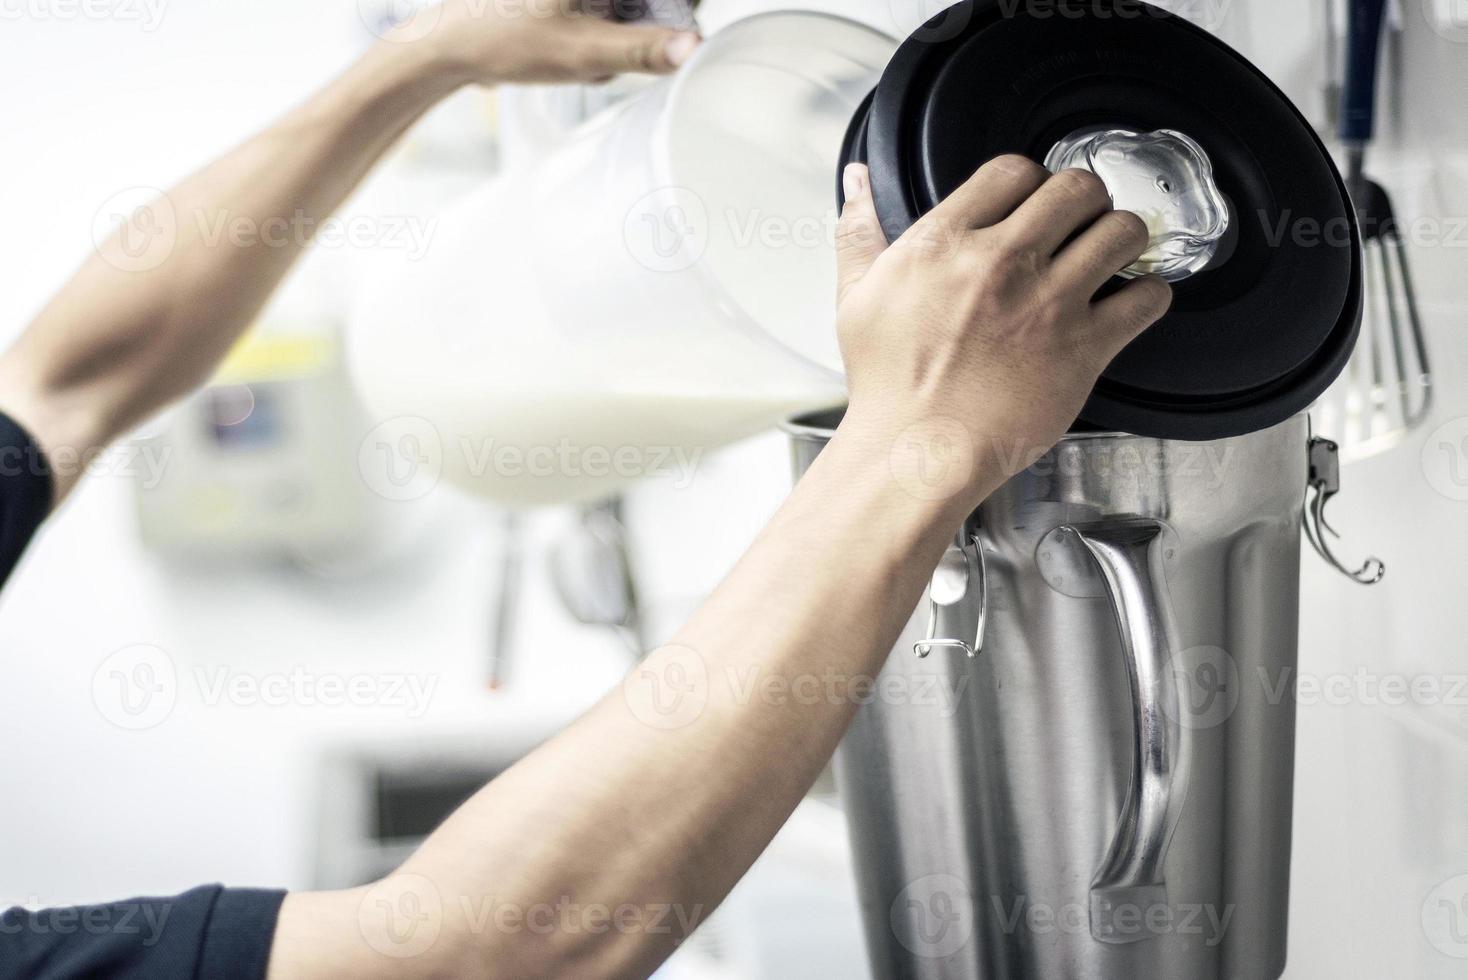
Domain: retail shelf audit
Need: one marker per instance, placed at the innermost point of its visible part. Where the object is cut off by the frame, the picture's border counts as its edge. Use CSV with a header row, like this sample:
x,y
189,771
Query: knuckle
x,y
643,57
940,237
1151,299
1017,167
1127,229
906,258
985,279
989,277
1082,185
850,229
1158,293
1054,310
1008,249
1007,266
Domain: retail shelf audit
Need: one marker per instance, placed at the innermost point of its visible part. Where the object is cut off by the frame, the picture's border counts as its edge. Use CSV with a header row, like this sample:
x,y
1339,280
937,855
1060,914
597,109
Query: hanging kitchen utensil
x,y
1386,390
1244,346
591,569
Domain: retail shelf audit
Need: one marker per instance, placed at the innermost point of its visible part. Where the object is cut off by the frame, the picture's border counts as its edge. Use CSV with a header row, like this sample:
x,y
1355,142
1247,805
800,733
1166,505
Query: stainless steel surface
x,y
1035,824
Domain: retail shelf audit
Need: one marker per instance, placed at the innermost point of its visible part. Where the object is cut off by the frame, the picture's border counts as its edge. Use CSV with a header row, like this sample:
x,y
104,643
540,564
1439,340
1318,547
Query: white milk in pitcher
x,y
526,413
659,285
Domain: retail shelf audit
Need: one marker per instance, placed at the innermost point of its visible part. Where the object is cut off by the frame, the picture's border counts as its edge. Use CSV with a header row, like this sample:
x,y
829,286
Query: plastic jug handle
x,y
1130,880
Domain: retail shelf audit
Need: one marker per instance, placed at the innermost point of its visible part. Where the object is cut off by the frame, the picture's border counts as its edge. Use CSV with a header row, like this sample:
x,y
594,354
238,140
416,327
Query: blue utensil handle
x,y
1363,51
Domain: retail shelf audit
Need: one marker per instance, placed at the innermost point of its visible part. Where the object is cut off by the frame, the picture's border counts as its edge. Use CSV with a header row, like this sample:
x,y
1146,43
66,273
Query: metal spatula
x,y
1385,391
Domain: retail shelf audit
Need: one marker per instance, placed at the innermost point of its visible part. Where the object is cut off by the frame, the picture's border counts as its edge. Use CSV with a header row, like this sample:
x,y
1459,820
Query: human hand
x,y
976,338
528,41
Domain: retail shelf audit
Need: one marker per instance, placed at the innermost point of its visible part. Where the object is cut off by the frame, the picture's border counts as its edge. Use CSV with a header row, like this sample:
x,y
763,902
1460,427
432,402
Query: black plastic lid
x,y
1250,341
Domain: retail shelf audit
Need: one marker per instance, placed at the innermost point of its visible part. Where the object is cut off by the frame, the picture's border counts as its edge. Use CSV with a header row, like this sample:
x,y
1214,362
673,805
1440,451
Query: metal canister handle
x,y
957,605
1325,483
1130,554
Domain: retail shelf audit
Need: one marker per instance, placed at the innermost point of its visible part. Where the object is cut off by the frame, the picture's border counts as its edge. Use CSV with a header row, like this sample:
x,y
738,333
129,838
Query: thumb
x,y
613,49
859,237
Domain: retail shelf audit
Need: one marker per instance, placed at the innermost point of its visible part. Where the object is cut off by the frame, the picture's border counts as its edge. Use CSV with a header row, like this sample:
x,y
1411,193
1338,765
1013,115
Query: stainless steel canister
x,y
1099,783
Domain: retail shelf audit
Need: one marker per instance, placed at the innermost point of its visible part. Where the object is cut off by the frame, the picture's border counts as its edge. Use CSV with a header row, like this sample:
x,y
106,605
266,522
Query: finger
x,y
1068,202
613,49
1123,315
1114,241
990,195
859,238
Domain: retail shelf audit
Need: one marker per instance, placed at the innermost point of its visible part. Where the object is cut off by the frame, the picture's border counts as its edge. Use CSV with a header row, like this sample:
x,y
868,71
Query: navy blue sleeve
x,y
208,933
25,493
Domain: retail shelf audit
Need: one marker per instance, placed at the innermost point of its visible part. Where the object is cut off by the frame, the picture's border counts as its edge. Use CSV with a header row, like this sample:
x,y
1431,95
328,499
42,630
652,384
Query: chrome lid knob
x,y
1167,180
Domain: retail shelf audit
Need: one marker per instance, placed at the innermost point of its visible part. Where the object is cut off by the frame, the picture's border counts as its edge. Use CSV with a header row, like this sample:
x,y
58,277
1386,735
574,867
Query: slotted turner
x,y
1386,389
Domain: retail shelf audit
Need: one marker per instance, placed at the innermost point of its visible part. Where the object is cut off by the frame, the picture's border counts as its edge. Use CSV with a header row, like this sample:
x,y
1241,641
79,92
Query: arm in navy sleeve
x,y
209,933
25,493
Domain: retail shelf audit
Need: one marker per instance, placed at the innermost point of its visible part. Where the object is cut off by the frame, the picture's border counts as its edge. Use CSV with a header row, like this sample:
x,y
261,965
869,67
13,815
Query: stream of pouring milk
x,y
529,409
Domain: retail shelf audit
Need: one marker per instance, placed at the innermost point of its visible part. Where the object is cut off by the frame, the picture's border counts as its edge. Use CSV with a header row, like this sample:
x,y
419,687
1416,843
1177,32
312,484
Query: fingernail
x,y
854,180
681,48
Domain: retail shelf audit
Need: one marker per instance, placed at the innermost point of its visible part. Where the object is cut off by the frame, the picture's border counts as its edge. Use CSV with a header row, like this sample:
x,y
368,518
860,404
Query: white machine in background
x,y
263,461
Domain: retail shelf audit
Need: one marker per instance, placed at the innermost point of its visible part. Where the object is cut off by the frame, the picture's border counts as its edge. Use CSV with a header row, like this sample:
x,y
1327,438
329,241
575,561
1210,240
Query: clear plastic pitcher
x,y
661,284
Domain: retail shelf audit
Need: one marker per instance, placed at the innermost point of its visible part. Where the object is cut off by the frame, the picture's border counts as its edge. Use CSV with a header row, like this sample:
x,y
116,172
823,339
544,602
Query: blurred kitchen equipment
x,y
1107,792
379,795
507,600
591,569
1386,390
659,285
262,463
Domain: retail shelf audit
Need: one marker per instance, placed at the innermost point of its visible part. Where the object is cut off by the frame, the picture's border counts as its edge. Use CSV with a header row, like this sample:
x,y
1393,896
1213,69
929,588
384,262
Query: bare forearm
x,y
964,362
135,329
150,316
660,798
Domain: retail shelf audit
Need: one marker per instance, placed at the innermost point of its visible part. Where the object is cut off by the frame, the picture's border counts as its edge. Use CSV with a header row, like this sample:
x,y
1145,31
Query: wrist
x,y
414,71
924,472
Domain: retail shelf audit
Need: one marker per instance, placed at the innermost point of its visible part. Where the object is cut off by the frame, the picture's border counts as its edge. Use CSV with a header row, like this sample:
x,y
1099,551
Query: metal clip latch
x,y
1325,482
957,584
